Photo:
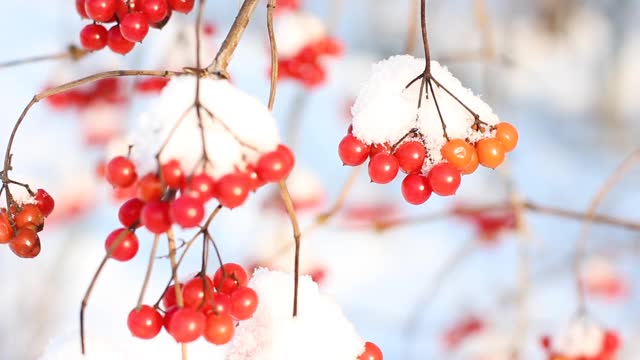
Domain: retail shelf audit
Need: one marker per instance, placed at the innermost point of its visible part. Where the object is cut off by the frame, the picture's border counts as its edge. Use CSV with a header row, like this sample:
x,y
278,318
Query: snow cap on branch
x,y
319,332
385,111
240,130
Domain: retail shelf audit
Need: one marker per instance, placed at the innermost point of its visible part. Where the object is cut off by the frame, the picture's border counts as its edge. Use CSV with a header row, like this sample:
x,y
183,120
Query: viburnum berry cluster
x,y
131,18
303,44
20,225
583,341
393,134
212,306
106,91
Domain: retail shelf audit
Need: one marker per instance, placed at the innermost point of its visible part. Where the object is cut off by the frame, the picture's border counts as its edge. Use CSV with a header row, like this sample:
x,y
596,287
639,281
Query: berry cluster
x,y
409,155
608,349
109,91
19,227
211,306
462,330
132,19
306,66
371,352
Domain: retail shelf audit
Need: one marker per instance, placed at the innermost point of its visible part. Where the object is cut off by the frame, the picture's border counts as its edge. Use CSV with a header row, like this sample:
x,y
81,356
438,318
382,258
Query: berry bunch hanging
x,y
20,225
583,341
303,44
212,306
449,134
131,18
106,91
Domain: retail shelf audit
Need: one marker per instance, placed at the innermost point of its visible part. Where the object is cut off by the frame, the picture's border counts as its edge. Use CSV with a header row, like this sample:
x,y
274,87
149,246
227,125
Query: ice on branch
x,y
237,128
295,30
385,110
319,332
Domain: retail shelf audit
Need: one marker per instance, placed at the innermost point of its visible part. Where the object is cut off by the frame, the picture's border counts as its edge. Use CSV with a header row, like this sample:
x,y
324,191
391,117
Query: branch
x,y
274,53
219,65
288,203
73,52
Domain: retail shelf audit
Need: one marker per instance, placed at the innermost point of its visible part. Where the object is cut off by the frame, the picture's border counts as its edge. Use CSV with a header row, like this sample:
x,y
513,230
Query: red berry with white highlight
x,y
93,37
145,323
383,168
444,179
416,189
187,211
352,151
134,26
121,172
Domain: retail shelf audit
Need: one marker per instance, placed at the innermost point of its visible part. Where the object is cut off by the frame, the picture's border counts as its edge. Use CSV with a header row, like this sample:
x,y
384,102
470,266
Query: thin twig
x,y
288,203
147,276
73,52
589,219
219,65
271,5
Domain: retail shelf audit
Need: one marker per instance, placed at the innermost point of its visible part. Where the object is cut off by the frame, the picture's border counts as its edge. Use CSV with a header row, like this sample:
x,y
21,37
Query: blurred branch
x,y
288,203
73,52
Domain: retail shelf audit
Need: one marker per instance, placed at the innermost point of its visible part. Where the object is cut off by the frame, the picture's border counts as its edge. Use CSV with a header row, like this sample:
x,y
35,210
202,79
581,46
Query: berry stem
x,y
288,203
435,101
174,268
147,276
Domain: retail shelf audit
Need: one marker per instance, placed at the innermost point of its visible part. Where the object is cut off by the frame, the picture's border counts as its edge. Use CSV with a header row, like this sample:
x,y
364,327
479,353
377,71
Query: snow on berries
x,y
303,42
582,340
131,19
21,223
273,333
435,139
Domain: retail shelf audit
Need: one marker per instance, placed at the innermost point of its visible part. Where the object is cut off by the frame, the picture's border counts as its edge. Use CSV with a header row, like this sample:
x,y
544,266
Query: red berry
x,y
220,304
117,43
371,352
125,242
187,325
610,342
127,6
183,6
81,10
444,179
155,217
145,323
197,292
169,298
254,179
273,166
234,277
100,10
155,10
129,213
285,151
203,185
93,37
151,85
416,189
149,188
168,316
244,302
219,329
233,189
383,168
187,211
26,244
352,151
411,155
172,174
29,216
134,26
121,172
6,231
45,202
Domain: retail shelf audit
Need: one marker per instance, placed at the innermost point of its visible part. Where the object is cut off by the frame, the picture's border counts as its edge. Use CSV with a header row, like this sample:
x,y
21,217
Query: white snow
x,y
385,111
68,348
319,332
248,120
583,337
294,30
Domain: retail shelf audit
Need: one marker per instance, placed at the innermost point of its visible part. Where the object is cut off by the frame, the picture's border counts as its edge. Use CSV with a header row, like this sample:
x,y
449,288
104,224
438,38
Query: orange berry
x,y
507,135
26,244
473,164
490,152
30,216
458,153
6,231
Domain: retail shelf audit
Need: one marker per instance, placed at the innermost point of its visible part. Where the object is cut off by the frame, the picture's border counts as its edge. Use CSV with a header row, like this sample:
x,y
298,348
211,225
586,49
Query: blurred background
x,y
566,73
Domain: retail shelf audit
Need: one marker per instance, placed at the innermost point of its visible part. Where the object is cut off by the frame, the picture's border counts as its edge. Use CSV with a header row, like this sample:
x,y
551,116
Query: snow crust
x,y
319,332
